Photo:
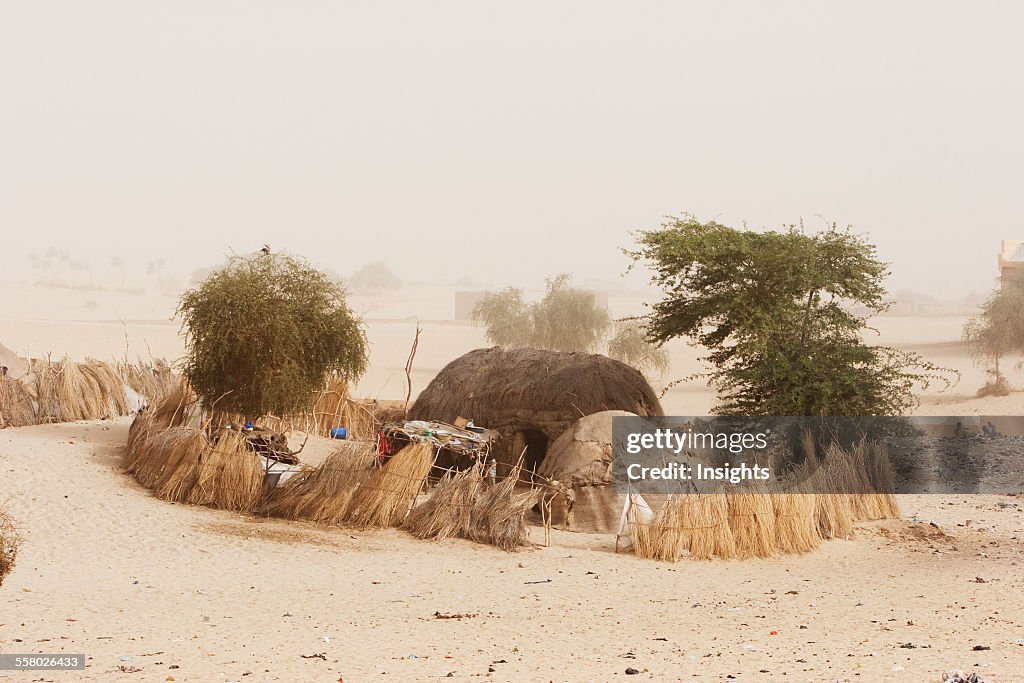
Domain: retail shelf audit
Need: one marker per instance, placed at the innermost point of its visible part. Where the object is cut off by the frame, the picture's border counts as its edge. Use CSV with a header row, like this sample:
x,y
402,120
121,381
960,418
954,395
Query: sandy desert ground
x,y
152,591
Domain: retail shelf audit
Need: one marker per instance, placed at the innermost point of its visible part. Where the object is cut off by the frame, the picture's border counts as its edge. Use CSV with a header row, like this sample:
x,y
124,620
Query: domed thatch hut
x,y
531,396
581,461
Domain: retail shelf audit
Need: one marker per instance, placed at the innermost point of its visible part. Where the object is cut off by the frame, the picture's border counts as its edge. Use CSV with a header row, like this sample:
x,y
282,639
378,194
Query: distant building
x,y
465,301
1011,263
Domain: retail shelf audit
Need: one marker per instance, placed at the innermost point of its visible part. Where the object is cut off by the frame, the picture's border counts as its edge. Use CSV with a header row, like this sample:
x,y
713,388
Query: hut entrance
x,y
535,442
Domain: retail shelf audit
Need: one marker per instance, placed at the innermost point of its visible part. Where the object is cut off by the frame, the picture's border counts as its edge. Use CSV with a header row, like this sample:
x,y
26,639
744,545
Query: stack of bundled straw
x,y
151,380
388,495
17,406
498,514
64,391
823,501
180,462
346,489
322,494
694,525
335,407
67,391
448,511
849,486
796,527
752,521
229,475
9,542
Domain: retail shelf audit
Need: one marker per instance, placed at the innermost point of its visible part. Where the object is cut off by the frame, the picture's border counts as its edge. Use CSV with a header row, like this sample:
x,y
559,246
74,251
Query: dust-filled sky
x,y
506,141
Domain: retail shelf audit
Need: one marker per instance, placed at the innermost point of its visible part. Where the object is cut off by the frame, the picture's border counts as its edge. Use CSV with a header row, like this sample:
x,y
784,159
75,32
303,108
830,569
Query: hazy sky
x,y
507,140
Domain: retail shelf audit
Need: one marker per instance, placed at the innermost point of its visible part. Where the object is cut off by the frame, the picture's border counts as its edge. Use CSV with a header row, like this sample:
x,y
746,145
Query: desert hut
x,y
530,397
580,460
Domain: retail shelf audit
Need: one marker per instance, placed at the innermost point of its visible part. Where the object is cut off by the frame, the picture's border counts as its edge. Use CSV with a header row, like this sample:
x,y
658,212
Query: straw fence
x,y
823,501
183,459
65,391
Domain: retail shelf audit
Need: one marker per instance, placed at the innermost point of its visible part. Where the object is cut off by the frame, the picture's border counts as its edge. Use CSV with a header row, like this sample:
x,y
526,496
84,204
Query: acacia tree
x,y
775,312
995,332
266,331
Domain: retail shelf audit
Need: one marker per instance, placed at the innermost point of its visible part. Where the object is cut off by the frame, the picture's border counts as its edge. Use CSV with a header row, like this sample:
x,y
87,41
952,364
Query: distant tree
x,y
774,311
118,262
375,276
995,332
199,275
506,316
629,344
567,318
266,331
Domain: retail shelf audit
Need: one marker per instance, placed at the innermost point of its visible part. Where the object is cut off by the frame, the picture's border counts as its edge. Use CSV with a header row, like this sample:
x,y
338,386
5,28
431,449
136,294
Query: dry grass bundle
x,y
109,384
665,537
752,521
230,474
67,391
166,461
705,517
498,515
848,485
833,515
17,406
334,407
385,498
643,534
140,429
322,494
10,540
690,524
846,471
796,528
882,478
174,407
449,509
151,380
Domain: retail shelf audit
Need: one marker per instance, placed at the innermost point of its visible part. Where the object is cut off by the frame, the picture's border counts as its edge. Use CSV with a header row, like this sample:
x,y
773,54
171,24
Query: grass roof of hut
x,y
487,385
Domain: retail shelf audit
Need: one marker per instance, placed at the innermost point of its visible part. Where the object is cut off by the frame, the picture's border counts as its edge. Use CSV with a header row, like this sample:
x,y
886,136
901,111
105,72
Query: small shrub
x,y
267,331
9,542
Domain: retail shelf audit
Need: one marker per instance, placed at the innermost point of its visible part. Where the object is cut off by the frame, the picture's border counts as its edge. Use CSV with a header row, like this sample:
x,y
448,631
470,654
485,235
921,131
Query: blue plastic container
x,y
339,432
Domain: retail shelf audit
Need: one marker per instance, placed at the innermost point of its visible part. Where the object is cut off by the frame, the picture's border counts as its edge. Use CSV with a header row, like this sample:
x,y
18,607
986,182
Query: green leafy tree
x,y
775,310
266,331
995,332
